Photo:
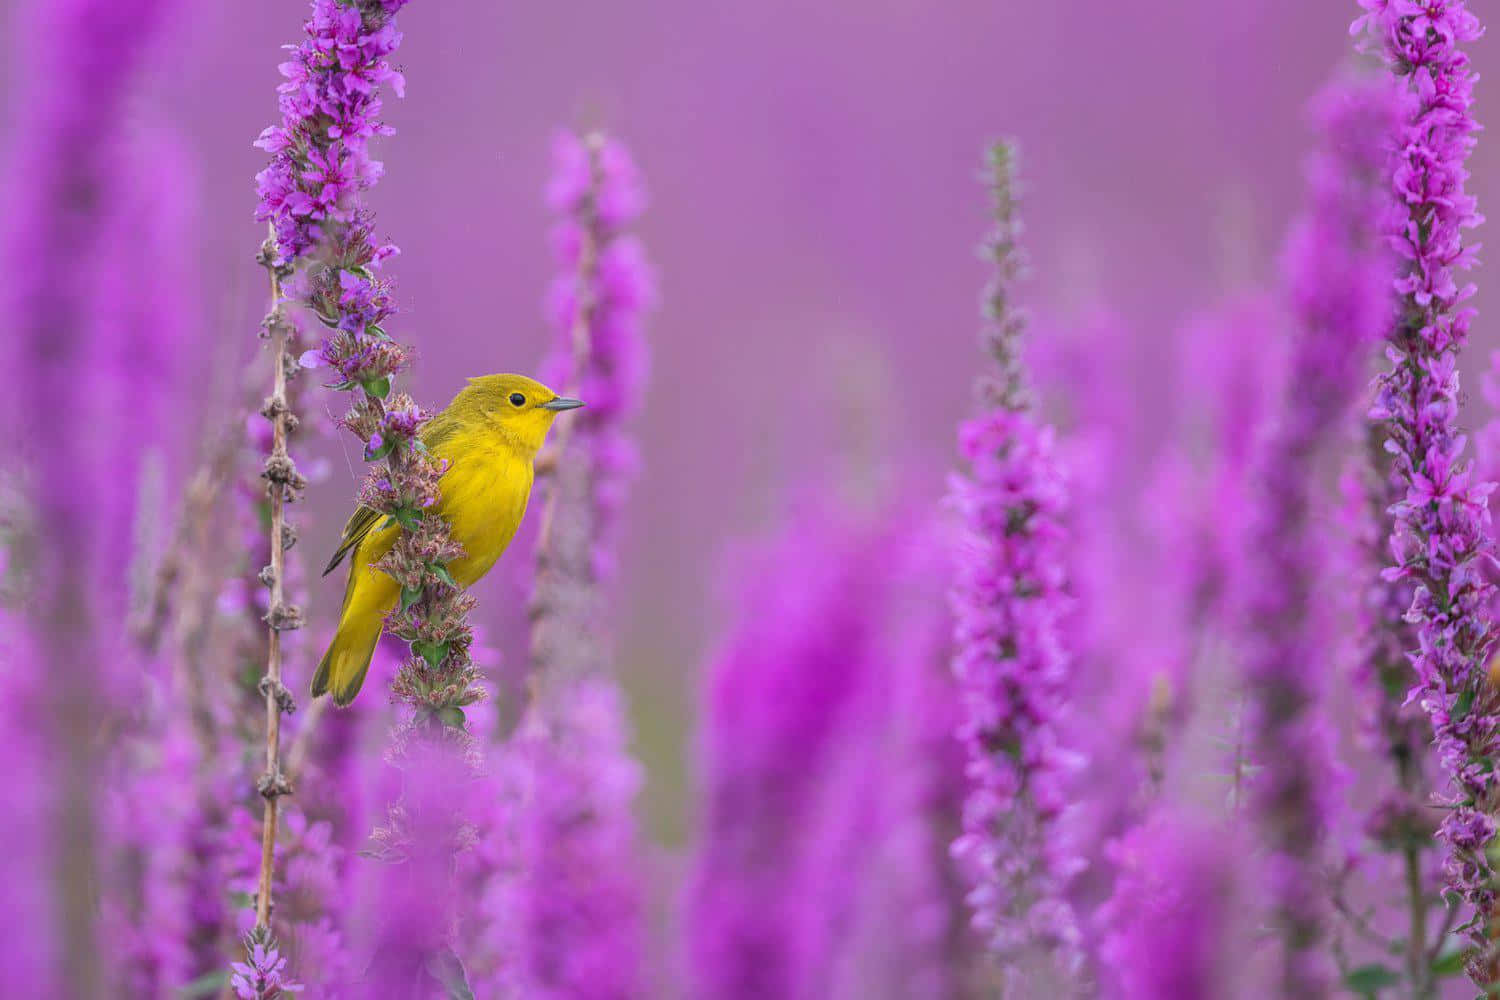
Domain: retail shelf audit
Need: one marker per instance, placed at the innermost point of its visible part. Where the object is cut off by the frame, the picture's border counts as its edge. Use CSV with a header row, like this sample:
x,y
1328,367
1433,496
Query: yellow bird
x,y
490,435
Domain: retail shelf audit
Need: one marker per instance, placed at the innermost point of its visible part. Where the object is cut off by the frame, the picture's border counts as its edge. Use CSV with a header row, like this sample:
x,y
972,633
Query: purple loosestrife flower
x,y
1133,645
881,851
784,697
324,246
1398,820
402,912
811,880
147,911
1441,541
1175,913
569,915
597,306
1010,660
570,910
312,195
1339,286
330,109
263,977
82,55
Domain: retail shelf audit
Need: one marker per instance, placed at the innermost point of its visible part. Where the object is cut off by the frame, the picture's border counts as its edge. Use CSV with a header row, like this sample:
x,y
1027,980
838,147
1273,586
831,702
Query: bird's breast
x,y
484,497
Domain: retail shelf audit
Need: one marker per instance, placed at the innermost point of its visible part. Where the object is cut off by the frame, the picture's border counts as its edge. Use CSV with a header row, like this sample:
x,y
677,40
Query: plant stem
x,y
282,477
588,260
1416,938
558,562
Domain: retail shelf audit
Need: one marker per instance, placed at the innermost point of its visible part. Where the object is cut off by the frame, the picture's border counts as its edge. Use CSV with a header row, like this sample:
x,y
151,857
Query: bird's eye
x,y
516,399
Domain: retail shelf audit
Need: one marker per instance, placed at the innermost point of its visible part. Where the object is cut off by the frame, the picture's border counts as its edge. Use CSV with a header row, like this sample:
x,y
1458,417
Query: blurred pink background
x,y
813,220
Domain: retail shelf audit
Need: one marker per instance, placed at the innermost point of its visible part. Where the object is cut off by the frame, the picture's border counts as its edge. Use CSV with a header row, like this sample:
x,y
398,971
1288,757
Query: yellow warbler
x,y
490,435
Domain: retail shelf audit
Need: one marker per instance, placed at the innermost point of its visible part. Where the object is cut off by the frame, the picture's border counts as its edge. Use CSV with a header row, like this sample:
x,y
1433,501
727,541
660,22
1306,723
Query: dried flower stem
x,y
283,484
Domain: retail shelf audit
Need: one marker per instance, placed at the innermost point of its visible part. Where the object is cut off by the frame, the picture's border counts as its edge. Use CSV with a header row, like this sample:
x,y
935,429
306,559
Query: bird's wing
x,y
437,431
355,530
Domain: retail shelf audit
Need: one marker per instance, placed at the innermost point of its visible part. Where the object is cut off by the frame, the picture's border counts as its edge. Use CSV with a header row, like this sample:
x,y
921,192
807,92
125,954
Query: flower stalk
x,y
562,571
1441,542
1011,661
575,906
312,194
1339,285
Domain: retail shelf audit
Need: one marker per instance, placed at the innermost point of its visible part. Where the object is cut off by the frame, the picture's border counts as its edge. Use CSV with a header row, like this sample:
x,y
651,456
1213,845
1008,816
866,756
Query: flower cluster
x,y
96,352
1010,658
1174,914
569,917
330,108
782,700
597,305
311,193
263,977
570,913
1441,540
1339,289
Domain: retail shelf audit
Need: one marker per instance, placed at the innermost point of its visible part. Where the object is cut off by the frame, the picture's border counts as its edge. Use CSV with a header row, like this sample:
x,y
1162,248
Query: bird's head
x,y
520,409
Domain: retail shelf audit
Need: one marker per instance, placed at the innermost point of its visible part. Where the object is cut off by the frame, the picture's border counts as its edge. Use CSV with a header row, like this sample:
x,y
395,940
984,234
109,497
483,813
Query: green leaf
x,y
206,985
451,716
376,330
410,596
409,517
1450,962
378,387
448,969
1369,980
1463,704
387,445
440,570
433,652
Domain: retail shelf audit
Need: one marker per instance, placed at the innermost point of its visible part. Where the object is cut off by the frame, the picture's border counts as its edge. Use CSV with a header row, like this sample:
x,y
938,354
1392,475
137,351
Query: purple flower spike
x,y
570,917
1010,659
597,306
330,109
1176,932
782,698
1339,285
569,920
263,977
1440,541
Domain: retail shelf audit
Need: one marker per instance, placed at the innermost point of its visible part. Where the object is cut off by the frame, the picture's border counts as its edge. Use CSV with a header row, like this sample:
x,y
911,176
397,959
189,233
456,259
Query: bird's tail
x,y
344,666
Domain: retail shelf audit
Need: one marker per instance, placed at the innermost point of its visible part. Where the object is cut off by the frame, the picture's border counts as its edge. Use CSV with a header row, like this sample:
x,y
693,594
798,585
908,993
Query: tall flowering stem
x,y
1009,601
324,252
1339,285
1401,822
1441,541
1173,924
596,307
312,195
573,912
81,413
782,704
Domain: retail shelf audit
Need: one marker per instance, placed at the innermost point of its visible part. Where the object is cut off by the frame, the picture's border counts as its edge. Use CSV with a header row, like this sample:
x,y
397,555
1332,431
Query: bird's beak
x,y
562,403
